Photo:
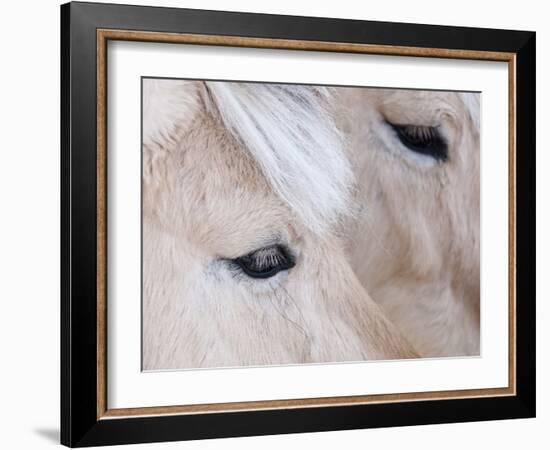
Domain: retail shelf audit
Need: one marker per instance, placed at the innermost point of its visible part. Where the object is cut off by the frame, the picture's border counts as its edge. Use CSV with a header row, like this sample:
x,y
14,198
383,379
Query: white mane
x,y
289,131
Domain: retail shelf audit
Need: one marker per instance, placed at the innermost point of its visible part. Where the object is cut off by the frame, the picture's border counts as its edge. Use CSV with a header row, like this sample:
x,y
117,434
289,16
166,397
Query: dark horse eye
x,y
425,140
265,262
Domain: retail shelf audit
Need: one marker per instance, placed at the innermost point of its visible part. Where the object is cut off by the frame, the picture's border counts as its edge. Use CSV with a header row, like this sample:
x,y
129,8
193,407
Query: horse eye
x,y
425,140
265,262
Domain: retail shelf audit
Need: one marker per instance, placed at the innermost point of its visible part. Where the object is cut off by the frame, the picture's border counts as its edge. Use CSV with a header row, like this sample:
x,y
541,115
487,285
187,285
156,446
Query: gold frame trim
x,y
104,35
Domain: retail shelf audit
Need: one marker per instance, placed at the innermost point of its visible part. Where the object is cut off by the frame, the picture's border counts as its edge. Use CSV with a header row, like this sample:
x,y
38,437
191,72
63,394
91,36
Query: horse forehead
x,y
212,154
229,204
421,101
411,106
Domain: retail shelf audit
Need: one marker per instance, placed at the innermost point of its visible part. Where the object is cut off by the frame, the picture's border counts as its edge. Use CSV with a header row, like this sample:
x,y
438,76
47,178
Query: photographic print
x,y
298,224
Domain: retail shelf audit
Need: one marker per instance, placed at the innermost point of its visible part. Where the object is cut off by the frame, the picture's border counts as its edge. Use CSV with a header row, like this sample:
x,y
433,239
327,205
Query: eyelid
x,y
284,257
436,147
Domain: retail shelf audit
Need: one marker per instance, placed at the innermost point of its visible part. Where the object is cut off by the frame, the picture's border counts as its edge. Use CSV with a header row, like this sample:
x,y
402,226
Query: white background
x,y
129,387
29,241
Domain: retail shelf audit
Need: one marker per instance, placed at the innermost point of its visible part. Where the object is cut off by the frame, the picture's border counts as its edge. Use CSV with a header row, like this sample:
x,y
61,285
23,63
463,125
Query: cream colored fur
x,y
415,243
206,198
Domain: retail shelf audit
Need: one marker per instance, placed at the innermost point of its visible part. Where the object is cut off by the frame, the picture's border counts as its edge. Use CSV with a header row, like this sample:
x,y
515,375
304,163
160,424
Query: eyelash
x,y
265,262
425,140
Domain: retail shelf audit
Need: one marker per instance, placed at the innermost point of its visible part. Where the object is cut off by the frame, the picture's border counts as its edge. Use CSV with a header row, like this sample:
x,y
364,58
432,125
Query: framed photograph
x,y
277,224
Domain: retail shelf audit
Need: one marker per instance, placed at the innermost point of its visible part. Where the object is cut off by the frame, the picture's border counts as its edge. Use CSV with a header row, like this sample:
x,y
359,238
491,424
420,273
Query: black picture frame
x,y
80,425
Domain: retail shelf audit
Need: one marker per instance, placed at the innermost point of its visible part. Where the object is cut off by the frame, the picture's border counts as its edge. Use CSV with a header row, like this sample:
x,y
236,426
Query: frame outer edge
x,y
65,334
526,224
79,199
79,428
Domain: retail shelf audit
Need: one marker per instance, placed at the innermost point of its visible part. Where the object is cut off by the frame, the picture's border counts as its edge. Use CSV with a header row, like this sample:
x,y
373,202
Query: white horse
x,y
246,190
415,243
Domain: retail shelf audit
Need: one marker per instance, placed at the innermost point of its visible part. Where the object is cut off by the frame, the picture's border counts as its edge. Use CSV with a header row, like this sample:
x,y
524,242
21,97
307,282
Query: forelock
x,y
291,134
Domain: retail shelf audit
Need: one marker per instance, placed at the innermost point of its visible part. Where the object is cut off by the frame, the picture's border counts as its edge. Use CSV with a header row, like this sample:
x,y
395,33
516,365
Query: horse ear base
x,y
168,106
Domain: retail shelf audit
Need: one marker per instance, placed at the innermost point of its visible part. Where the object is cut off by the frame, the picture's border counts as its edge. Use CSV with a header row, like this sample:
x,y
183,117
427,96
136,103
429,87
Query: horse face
x,y
416,242
231,275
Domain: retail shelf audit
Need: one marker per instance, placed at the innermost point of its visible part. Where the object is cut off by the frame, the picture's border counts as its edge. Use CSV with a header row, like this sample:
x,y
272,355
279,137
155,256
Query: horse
x,y
247,189
415,243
